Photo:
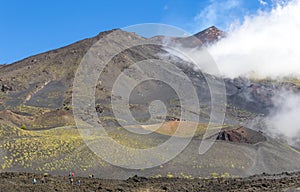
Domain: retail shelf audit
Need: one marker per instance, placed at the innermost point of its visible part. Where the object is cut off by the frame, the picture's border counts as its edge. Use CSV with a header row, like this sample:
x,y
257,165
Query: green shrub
x,y
215,175
24,127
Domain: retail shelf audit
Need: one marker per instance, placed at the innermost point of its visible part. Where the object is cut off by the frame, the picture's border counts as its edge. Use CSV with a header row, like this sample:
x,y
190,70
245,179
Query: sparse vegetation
x,y
215,175
24,127
52,150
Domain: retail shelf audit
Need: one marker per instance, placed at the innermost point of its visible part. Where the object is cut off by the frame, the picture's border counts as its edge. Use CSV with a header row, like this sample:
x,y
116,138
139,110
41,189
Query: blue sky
x,y
34,26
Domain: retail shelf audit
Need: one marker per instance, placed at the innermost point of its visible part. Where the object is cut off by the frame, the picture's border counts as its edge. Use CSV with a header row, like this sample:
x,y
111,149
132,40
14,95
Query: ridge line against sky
x,y
32,27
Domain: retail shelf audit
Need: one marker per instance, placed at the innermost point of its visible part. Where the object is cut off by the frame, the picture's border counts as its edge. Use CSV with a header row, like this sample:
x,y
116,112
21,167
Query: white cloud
x,y
217,13
280,2
262,2
265,45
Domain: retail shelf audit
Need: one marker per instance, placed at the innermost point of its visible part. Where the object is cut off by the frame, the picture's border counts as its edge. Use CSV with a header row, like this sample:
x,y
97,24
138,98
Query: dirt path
x,y
23,182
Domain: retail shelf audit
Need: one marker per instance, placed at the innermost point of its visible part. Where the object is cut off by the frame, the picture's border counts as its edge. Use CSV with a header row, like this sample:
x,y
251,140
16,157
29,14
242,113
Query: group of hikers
x,y
43,181
71,178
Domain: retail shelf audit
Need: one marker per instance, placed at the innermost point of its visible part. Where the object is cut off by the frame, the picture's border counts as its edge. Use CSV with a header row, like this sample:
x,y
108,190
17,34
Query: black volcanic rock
x,y
264,182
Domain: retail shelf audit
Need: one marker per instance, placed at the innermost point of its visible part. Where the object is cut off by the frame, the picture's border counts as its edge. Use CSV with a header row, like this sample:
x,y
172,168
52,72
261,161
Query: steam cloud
x,y
285,122
265,45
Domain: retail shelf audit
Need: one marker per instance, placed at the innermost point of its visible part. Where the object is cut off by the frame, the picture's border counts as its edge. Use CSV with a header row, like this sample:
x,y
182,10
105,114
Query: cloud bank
x,y
264,45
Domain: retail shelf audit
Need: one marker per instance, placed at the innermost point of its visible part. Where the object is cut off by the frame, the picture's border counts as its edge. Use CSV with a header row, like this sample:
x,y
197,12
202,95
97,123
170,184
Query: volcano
x,y
38,131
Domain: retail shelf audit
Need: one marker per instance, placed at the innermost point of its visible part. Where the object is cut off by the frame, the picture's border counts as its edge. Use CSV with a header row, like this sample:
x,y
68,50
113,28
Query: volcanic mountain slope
x,y
38,131
40,87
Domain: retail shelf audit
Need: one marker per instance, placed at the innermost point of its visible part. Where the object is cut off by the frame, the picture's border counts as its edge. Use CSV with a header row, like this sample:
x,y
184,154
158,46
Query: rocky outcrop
x,y
210,35
241,135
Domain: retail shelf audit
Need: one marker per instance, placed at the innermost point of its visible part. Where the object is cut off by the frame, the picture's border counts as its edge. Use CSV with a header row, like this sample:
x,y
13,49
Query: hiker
x,y
70,174
73,174
34,181
78,182
43,181
71,181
